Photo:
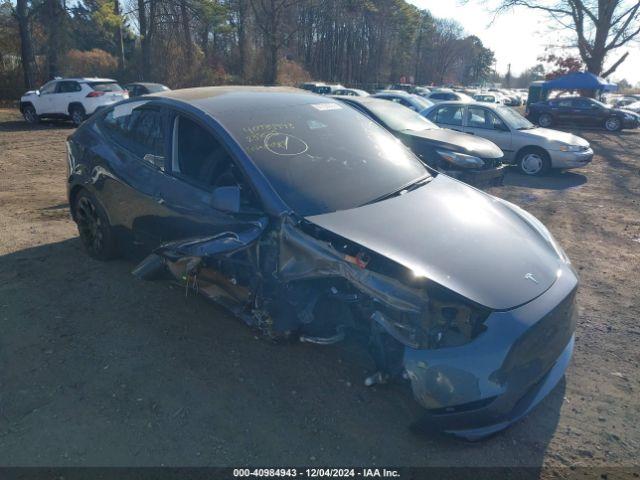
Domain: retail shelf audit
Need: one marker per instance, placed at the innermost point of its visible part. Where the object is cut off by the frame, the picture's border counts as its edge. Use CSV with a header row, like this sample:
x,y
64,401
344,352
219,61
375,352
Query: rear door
x,y
66,93
563,110
46,100
137,134
484,123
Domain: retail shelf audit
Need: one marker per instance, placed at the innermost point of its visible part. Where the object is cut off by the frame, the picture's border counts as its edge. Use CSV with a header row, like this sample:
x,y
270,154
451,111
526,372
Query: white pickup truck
x,y
70,98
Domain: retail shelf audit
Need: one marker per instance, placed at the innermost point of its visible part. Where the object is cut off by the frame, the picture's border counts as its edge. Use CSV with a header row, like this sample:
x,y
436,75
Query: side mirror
x,y
500,127
38,92
155,160
226,199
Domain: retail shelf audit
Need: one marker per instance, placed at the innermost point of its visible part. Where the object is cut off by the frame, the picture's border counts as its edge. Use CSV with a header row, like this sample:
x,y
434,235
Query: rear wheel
x,y
30,115
612,124
545,120
95,231
77,114
533,162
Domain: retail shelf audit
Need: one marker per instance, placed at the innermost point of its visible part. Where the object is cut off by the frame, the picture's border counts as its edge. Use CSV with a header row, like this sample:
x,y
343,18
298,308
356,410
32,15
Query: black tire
x,y
96,233
30,115
77,115
545,120
533,162
613,124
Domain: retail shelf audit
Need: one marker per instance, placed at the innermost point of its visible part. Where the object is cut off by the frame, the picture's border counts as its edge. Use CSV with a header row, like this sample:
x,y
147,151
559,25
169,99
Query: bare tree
x,y
53,13
599,26
118,37
271,16
22,15
146,24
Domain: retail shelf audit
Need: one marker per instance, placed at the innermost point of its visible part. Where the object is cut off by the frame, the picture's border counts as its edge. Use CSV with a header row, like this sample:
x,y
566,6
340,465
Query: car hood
x,y
458,237
633,111
555,136
457,142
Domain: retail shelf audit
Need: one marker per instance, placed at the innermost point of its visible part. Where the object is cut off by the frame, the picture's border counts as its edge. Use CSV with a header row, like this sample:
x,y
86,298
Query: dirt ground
x,y
99,368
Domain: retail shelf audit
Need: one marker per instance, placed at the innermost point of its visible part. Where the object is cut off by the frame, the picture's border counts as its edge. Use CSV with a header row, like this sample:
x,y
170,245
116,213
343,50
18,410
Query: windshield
x,y
514,119
324,157
397,117
600,104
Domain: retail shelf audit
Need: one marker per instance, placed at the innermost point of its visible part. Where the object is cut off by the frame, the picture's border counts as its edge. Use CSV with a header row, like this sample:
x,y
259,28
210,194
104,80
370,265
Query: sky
x,y
518,37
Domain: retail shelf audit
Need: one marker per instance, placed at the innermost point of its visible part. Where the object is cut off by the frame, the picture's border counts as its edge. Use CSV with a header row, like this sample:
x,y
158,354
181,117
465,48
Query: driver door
x,y
484,123
44,104
199,164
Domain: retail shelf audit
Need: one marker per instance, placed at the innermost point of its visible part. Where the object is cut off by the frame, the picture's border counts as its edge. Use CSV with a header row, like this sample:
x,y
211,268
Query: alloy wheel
x,y
30,115
90,225
612,124
77,116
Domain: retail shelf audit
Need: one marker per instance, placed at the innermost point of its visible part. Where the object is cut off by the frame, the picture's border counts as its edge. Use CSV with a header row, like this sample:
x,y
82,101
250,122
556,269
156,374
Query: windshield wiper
x,y
531,127
413,185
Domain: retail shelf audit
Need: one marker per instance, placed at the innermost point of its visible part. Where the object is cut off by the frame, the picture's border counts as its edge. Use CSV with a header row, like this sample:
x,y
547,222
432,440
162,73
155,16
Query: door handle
x,y
158,198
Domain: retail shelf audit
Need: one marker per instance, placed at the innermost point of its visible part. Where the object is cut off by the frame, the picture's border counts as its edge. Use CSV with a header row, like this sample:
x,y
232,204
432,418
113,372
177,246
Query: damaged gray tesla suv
x,y
309,221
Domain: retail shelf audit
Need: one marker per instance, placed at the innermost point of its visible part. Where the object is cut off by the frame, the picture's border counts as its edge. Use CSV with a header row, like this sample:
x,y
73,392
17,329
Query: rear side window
x,y
448,115
68,87
105,86
139,128
582,104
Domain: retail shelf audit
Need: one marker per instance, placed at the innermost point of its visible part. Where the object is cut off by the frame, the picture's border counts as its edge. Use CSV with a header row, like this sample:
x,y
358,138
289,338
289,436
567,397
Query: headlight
x,y
540,228
461,160
570,148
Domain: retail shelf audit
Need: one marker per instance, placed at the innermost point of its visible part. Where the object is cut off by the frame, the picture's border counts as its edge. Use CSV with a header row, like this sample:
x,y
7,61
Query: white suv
x,y
74,98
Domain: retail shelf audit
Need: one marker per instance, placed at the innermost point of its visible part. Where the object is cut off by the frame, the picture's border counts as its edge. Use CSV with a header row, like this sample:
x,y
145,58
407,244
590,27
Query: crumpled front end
x,y
474,369
482,387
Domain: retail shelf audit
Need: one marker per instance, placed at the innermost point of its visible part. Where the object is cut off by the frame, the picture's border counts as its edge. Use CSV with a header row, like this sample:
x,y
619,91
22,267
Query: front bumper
x,y
480,178
480,388
571,159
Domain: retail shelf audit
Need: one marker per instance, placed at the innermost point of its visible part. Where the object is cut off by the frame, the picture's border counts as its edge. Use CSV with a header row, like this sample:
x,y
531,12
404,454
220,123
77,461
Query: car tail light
x,y
95,94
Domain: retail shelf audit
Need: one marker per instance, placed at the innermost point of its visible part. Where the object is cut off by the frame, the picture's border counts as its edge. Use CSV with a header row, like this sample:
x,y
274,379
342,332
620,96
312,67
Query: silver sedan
x,y
533,149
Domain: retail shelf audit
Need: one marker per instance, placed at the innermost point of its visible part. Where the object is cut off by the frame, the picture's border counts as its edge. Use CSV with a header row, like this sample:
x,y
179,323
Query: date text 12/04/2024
x,y
317,472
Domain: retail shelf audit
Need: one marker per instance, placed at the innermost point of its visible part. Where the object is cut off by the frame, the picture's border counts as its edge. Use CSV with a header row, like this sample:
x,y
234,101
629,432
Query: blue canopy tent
x,y
583,81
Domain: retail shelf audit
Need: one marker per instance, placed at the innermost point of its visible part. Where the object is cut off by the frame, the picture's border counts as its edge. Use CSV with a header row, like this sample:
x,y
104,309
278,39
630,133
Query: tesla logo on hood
x,y
529,276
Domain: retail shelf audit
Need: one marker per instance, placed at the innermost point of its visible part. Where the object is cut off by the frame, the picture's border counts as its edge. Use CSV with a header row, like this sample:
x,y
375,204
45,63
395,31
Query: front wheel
x,y
30,115
612,124
533,162
94,228
545,120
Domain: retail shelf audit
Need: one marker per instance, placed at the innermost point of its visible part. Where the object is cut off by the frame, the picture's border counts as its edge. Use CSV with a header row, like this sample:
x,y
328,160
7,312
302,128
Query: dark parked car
x,y
308,220
471,159
580,111
144,88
